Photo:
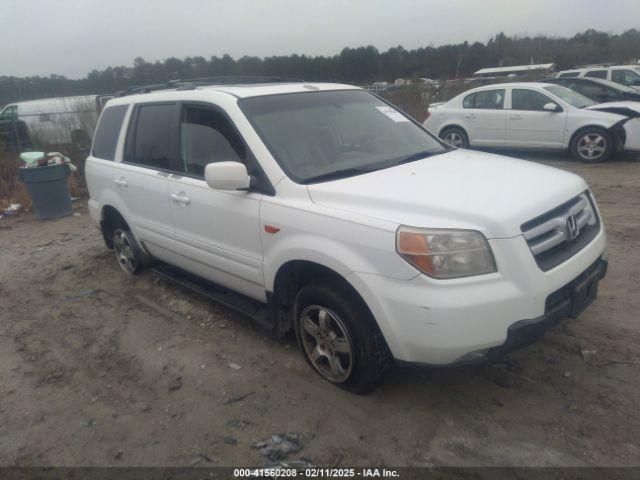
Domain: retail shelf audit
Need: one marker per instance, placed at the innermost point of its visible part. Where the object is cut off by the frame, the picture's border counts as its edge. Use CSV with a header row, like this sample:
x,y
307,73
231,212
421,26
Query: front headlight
x,y
443,253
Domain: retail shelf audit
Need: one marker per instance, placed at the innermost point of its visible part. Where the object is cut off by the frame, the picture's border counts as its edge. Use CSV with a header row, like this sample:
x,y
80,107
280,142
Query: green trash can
x,y
49,190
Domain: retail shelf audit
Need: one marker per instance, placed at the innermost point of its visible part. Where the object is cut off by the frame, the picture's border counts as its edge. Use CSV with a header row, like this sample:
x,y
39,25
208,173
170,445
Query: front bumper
x,y
568,301
426,321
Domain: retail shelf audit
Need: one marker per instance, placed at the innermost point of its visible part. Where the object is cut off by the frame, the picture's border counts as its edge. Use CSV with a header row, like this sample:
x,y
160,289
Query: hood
x,y
458,189
627,108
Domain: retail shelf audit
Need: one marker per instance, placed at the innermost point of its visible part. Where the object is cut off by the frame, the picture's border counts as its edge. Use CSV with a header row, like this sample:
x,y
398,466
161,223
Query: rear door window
x,y
485,100
106,137
152,139
597,74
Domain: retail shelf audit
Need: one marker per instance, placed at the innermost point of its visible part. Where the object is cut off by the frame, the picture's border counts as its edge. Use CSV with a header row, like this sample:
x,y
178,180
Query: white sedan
x,y
536,115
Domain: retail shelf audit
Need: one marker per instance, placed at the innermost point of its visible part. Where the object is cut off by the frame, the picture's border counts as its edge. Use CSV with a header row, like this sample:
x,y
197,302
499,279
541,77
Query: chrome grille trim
x,y
560,233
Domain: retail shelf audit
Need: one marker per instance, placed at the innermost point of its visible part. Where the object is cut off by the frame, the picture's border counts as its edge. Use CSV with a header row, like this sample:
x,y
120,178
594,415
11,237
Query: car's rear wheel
x,y
455,136
127,251
339,339
592,145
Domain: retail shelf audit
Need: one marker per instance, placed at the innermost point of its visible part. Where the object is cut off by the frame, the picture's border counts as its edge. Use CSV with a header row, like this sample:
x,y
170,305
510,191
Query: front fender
x,y
340,256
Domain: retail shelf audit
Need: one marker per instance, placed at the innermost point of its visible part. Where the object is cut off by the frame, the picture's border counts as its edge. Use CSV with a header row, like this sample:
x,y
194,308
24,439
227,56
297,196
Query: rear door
x,y
529,125
217,232
484,117
142,179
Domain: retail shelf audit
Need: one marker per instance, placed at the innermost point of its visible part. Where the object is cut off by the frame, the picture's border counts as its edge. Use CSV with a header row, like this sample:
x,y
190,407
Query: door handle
x,y
121,182
516,117
180,198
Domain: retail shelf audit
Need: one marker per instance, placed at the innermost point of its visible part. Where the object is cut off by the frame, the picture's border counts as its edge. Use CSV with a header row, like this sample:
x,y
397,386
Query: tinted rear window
x,y
153,136
108,131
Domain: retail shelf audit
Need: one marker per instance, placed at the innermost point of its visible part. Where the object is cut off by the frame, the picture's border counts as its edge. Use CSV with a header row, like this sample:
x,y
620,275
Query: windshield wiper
x,y
415,156
335,175
350,172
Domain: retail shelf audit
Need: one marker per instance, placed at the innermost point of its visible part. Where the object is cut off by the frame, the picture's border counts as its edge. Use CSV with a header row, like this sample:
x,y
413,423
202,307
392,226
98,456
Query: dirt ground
x,y
97,368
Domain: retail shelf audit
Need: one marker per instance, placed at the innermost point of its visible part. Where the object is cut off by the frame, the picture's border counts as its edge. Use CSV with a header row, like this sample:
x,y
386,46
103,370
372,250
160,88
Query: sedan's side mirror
x,y
552,107
227,176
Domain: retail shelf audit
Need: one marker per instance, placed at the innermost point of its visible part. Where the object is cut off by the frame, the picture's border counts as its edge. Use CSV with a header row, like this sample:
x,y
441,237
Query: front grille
x,y
562,232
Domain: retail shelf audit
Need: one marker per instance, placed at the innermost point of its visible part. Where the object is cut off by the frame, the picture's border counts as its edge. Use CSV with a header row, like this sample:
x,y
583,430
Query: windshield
x,y
572,98
318,136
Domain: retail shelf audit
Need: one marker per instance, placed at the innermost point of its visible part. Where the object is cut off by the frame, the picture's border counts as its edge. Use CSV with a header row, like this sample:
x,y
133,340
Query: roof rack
x,y
193,83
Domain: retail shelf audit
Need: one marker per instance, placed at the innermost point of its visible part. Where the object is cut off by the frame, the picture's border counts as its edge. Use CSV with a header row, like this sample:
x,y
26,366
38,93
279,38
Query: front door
x,y
217,232
530,125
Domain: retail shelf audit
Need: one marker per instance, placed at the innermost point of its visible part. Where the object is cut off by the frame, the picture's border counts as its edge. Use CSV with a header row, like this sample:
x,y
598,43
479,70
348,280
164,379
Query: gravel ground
x,y
97,368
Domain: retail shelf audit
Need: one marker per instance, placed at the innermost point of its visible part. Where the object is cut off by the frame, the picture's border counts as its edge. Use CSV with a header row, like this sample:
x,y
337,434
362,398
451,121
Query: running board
x,y
236,301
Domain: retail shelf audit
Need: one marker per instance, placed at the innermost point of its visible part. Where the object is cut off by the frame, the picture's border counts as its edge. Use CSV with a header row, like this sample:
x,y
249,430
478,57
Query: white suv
x,y
323,209
628,75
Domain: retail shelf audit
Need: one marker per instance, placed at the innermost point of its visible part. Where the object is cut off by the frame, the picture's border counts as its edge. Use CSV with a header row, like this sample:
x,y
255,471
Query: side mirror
x,y
552,107
227,176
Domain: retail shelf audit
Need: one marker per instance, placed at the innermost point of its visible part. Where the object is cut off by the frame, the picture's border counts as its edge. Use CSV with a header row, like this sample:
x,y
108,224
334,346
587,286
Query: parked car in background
x,y
628,75
596,89
533,115
322,209
56,122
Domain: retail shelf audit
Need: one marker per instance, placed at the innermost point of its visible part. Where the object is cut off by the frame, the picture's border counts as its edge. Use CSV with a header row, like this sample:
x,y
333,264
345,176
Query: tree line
x,y
362,65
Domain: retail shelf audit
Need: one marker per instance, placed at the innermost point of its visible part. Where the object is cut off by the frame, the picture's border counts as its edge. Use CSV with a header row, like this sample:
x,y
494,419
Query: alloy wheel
x,y
592,146
454,139
124,251
327,343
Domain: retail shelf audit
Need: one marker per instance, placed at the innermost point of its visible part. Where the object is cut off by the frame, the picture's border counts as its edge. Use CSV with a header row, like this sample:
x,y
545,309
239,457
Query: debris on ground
x,y
237,398
12,209
298,465
235,366
585,353
238,423
175,384
504,382
277,447
84,294
230,440
201,457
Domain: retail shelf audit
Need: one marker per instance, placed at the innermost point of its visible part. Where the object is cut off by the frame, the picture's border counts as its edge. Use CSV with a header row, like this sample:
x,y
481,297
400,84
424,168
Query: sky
x,y
73,37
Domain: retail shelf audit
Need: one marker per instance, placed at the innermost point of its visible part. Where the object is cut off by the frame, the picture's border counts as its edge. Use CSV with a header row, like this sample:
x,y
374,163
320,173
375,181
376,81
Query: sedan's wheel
x,y
454,137
326,342
126,250
592,146
338,337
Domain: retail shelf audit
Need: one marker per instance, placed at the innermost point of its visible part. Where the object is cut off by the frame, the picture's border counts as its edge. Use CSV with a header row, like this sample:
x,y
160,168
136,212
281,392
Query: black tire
x,y
591,145
349,321
455,136
128,253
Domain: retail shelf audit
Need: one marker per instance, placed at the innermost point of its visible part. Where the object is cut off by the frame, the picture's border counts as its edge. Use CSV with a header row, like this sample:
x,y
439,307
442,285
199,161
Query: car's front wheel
x,y
454,136
338,338
592,145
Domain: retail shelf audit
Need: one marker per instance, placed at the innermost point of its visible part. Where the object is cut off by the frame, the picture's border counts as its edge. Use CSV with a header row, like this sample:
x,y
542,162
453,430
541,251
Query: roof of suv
x,y
244,90
255,90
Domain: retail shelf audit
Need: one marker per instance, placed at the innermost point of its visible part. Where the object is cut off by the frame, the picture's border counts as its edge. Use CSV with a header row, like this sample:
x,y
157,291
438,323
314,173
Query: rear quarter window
x,y
105,139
